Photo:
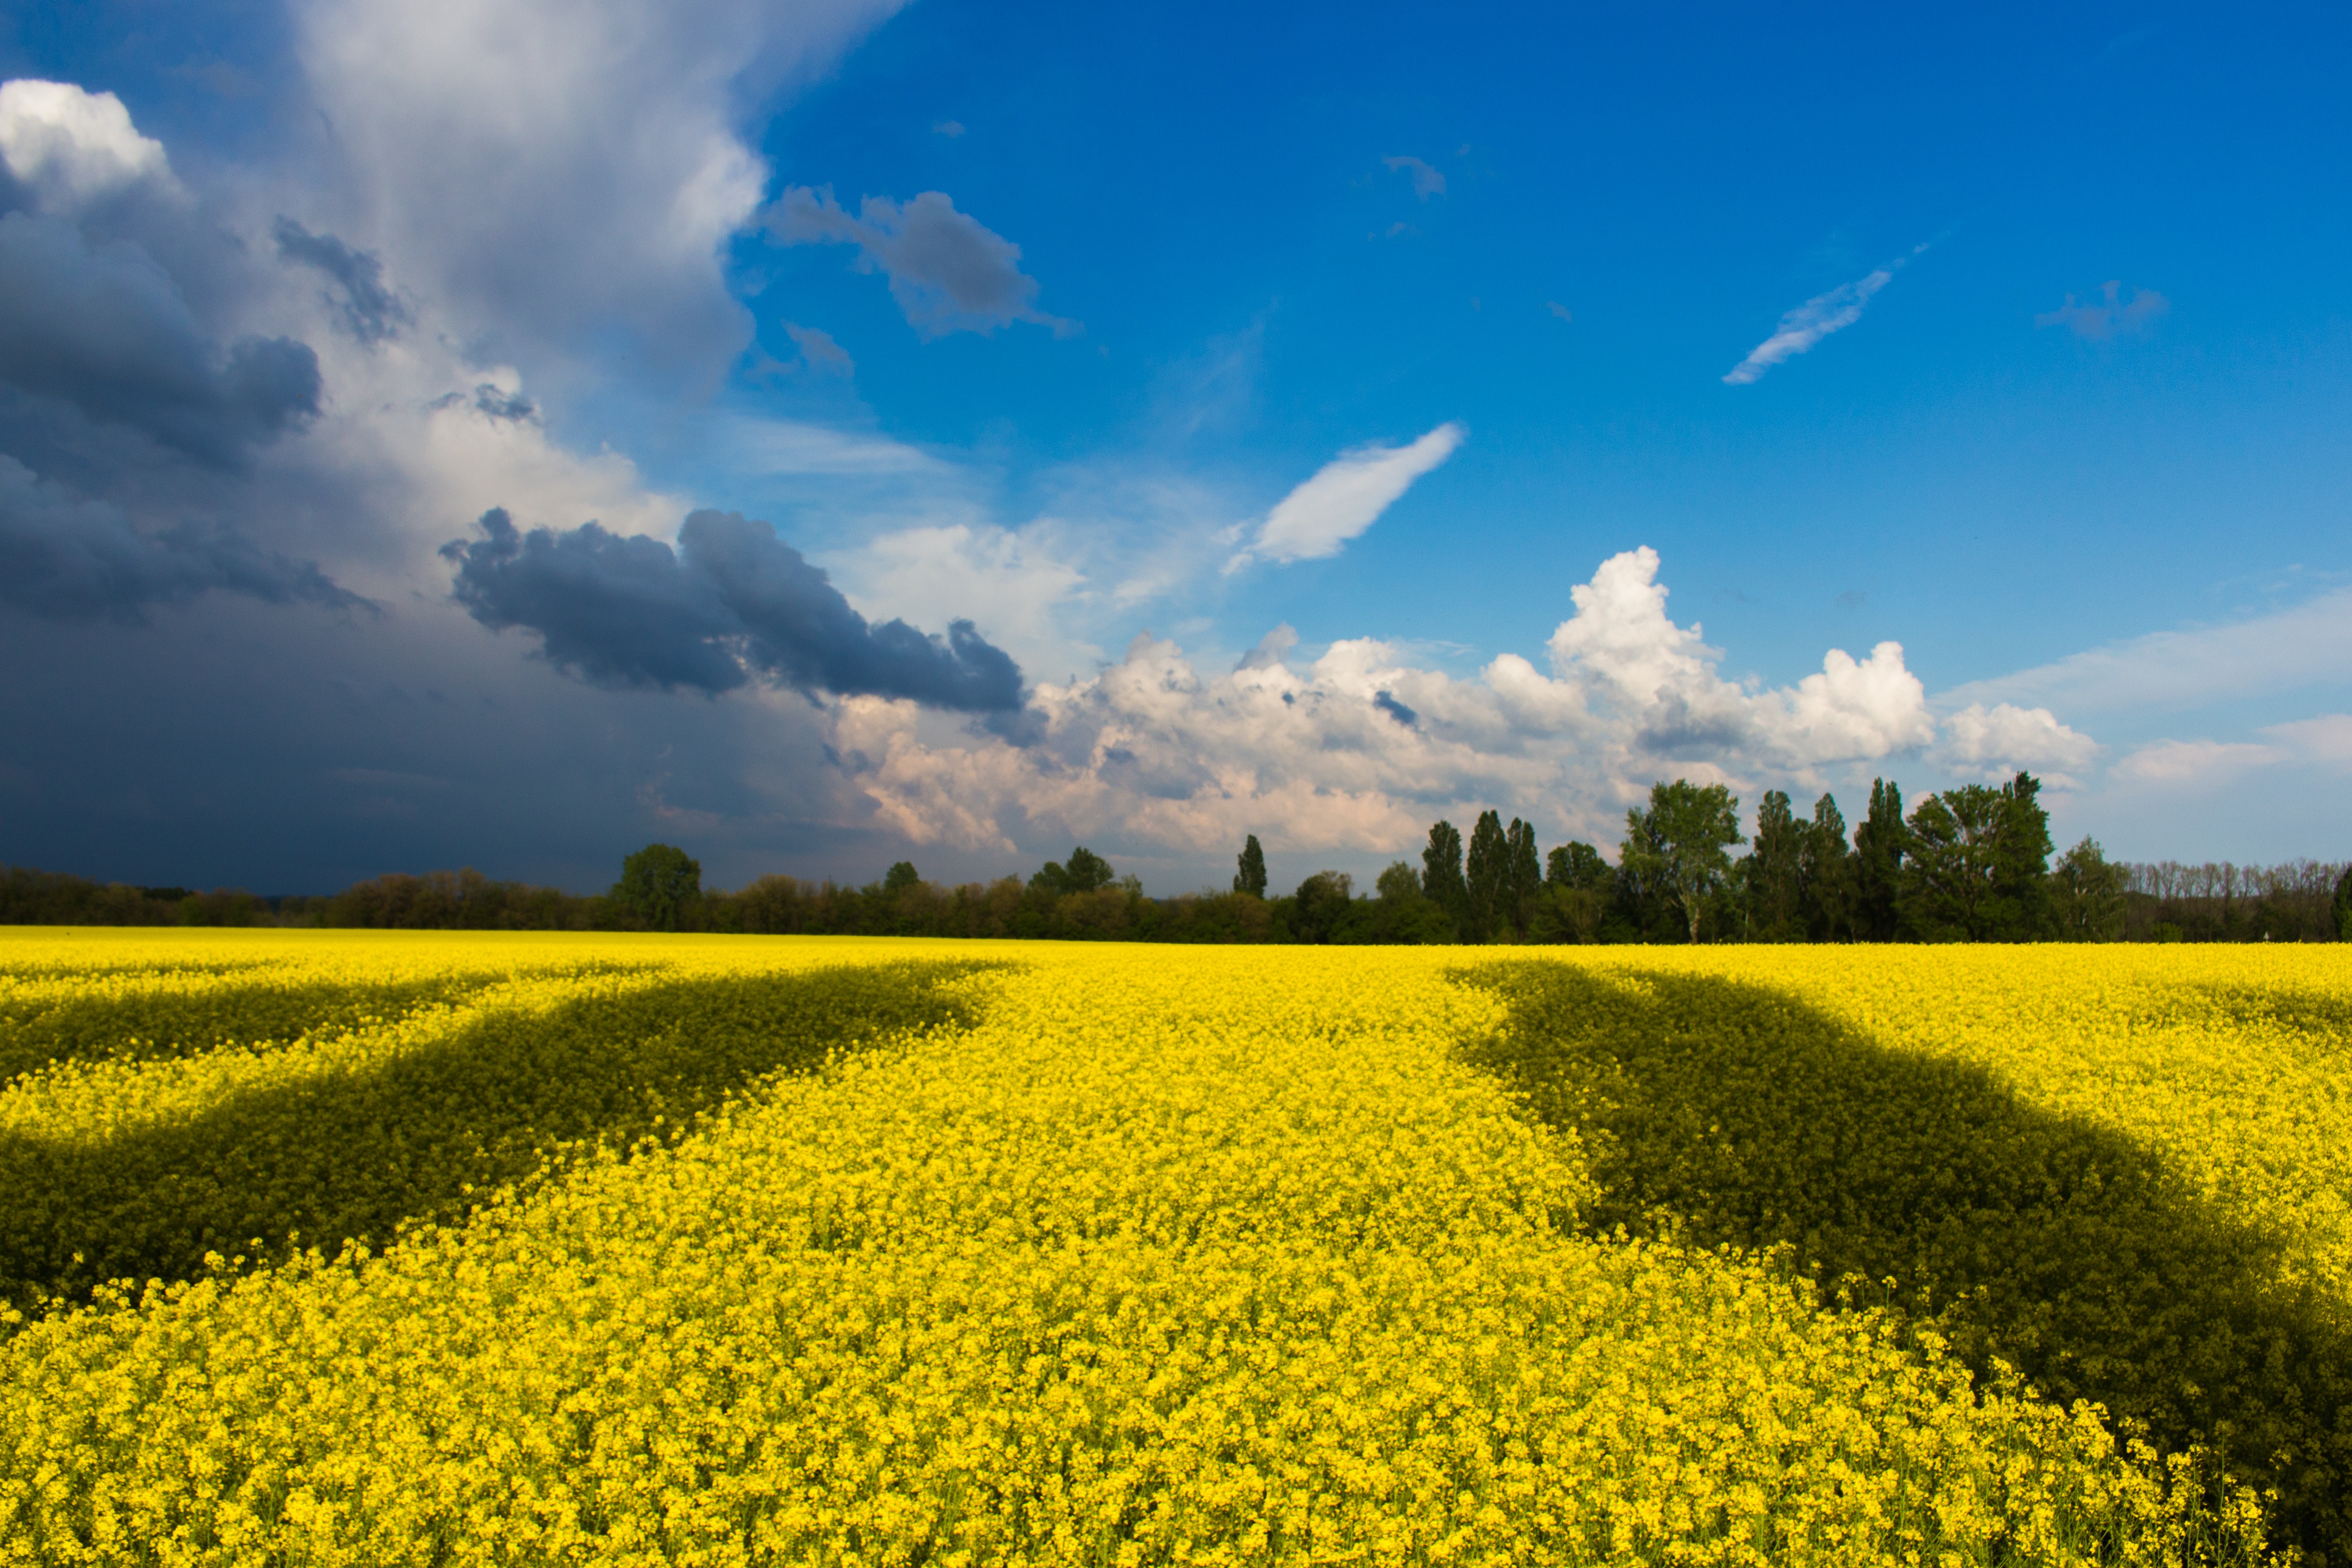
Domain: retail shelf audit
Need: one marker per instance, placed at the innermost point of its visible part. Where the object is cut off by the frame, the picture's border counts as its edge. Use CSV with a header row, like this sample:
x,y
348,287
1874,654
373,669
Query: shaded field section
x,y
503,1097
1731,1113
154,1021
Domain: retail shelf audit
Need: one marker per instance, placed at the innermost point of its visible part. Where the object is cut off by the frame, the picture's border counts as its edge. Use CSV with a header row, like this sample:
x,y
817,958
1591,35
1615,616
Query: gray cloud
x,y
106,331
730,602
819,351
948,272
1387,703
2107,316
66,559
370,311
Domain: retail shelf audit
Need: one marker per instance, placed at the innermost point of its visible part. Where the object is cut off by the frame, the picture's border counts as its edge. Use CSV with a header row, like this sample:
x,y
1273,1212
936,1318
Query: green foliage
x,y
2341,906
902,878
1731,1114
1577,864
1483,878
1522,876
1977,868
2086,896
1251,876
355,1155
1880,845
1320,907
1773,874
1677,849
660,885
1400,883
1825,875
1442,881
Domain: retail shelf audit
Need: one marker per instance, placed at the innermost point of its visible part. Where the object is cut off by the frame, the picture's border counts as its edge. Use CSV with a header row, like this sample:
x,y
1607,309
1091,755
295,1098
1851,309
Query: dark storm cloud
x,y
730,602
67,559
371,311
106,331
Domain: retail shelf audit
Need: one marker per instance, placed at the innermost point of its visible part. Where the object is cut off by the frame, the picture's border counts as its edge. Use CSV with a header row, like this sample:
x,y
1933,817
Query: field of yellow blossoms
x,y
380,1248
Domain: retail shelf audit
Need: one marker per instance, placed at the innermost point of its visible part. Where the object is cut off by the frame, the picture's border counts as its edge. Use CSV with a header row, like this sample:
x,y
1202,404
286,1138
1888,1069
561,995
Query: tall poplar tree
x,y
1484,871
1879,846
2021,863
1522,874
1828,875
1251,877
1441,873
1773,871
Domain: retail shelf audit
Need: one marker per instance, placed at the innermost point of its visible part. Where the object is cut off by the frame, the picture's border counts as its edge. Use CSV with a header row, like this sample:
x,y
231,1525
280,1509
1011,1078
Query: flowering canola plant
x,y
1077,1253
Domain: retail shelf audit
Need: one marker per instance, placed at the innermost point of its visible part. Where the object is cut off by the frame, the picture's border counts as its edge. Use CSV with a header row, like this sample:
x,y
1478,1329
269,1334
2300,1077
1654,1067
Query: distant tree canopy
x,y
1969,864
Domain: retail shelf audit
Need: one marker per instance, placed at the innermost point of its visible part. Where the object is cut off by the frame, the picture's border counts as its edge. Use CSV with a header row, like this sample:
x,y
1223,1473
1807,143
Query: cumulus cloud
x,y
2107,316
1996,741
1359,749
69,559
107,329
71,149
596,145
1427,182
730,602
1344,498
1812,321
948,272
369,310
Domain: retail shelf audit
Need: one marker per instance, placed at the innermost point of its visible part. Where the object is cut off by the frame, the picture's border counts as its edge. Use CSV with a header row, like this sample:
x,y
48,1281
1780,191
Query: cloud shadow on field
x,y
426,1135
1735,1114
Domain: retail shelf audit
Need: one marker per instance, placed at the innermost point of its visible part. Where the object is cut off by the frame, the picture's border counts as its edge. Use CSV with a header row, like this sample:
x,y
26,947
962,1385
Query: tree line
x,y
1972,863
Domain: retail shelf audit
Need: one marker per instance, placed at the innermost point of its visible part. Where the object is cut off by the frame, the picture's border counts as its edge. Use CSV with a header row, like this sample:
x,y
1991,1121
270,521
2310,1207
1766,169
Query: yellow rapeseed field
x,y
722,1250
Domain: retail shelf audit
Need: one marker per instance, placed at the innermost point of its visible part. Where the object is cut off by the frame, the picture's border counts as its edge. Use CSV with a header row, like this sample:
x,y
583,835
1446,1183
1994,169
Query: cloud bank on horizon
x,y
251,392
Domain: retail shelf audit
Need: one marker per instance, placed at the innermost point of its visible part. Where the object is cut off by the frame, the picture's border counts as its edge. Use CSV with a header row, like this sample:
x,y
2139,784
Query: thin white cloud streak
x,y
1814,319
2325,741
1345,497
2106,317
2309,644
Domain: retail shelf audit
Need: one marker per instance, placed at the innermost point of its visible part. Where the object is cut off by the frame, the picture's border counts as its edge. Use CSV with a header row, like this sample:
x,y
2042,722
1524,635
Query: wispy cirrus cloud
x,y
1814,319
1344,498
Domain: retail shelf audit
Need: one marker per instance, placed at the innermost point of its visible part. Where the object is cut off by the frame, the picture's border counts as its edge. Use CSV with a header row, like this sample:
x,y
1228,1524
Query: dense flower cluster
x,y
1099,1254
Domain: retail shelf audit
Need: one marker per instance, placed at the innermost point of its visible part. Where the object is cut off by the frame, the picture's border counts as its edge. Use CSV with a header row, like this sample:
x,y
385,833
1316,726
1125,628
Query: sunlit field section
x,y
2125,1171
895,1252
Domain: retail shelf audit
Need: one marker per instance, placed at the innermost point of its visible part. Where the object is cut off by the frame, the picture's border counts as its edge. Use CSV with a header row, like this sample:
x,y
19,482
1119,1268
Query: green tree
x,y
1679,846
1577,864
900,877
1522,874
2342,906
1827,875
2087,894
1772,873
1399,884
1441,873
1321,905
1880,845
1488,864
1948,871
1251,877
660,885
2020,870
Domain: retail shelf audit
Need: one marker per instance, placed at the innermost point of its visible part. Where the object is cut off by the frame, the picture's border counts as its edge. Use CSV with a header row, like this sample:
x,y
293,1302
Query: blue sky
x,y
1542,394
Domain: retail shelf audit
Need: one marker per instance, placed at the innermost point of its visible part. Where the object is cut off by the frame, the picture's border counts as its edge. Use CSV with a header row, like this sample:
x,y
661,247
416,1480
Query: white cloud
x,y
2196,762
1344,498
594,143
1152,752
2308,644
1997,742
1814,319
2326,739
72,148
